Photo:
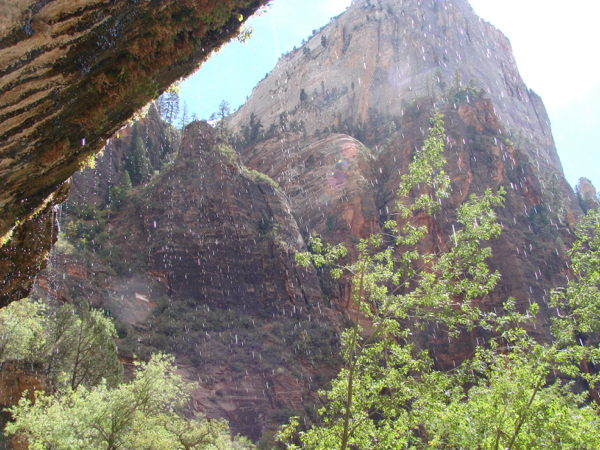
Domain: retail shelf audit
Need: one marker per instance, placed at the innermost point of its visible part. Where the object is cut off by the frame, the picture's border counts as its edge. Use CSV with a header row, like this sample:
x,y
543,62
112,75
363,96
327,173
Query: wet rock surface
x,y
25,254
73,73
198,261
206,272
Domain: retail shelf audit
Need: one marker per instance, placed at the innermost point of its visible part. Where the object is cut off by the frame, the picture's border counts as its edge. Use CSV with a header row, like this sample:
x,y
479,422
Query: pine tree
x,y
170,106
223,112
86,347
118,195
137,163
184,117
125,184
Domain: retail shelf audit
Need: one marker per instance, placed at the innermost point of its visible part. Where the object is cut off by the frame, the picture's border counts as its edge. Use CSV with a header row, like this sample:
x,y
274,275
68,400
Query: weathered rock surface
x,y
206,272
72,73
588,194
17,378
342,190
379,55
25,254
199,262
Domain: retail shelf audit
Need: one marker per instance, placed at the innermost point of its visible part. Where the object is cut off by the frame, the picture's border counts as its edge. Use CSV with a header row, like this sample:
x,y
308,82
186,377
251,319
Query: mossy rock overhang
x,y
73,73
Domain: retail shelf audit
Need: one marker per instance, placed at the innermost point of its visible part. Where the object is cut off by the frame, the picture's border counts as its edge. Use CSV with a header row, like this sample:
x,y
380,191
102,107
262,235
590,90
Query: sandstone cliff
x,y
72,73
200,261
369,63
586,192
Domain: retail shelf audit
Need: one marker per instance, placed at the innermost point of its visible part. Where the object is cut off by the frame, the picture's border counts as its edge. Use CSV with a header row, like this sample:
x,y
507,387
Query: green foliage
x,y
510,405
137,164
251,132
86,347
391,395
203,335
88,162
168,105
22,330
143,414
264,224
261,178
579,304
33,332
226,151
119,195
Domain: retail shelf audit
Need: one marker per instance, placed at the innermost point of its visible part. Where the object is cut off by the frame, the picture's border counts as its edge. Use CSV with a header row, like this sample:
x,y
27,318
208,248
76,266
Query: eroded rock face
x,y
377,57
72,73
376,72
588,194
207,247
343,190
17,378
25,254
199,263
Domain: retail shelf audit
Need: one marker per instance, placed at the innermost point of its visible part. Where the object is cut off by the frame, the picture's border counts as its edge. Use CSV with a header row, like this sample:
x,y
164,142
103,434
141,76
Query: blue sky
x,y
552,42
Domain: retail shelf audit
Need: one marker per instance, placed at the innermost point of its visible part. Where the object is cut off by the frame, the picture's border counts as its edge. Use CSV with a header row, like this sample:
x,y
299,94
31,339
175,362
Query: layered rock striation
x,y
368,65
72,74
376,73
199,262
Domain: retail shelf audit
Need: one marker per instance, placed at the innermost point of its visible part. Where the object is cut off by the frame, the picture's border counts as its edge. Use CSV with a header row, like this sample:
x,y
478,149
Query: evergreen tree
x,y
169,106
222,113
184,117
125,184
118,195
87,348
253,129
137,163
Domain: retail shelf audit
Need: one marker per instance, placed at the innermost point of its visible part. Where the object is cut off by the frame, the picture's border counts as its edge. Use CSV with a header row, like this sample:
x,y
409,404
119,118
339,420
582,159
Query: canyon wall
x,y
73,72
197,260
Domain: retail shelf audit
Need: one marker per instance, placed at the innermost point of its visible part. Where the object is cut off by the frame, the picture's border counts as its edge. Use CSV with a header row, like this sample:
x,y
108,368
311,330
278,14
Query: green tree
x,y
137,162
119,194
30,331
185,118
221,114
390,394
22,330
141,414
86,347
253,129
170,106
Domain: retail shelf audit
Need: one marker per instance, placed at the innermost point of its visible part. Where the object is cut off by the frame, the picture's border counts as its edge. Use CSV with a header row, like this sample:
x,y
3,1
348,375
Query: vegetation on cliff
x,y
392,394
146,413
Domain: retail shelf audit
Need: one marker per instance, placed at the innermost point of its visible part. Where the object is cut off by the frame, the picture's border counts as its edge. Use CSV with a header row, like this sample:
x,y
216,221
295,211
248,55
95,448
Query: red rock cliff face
x,y
207,247
342,190
207,273
380,55
588,198
72,73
